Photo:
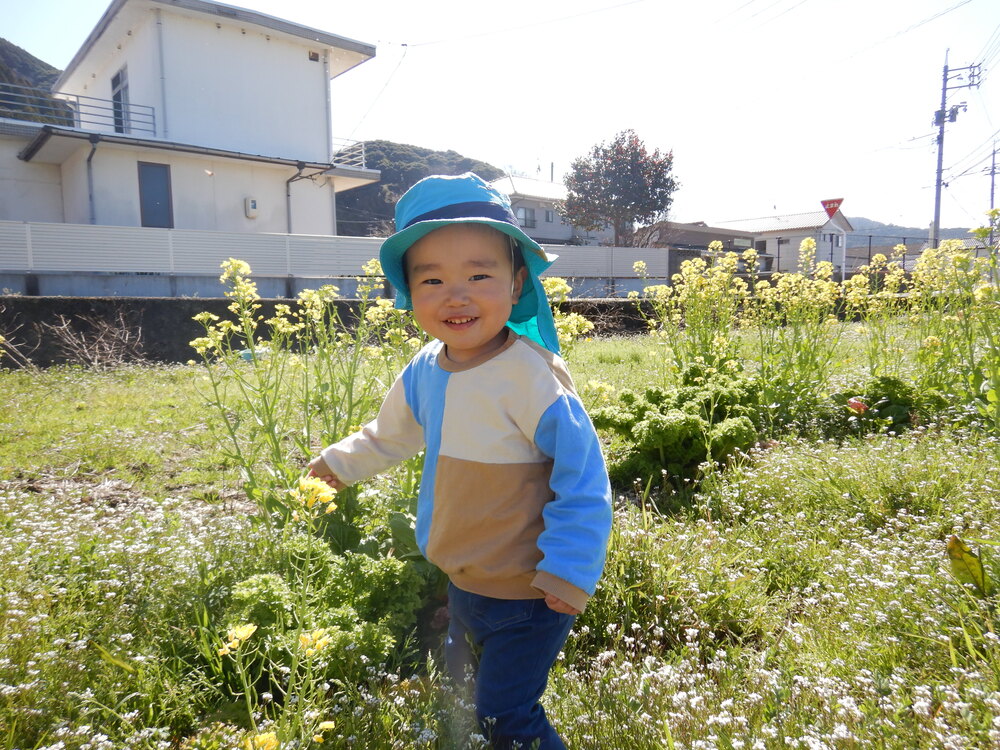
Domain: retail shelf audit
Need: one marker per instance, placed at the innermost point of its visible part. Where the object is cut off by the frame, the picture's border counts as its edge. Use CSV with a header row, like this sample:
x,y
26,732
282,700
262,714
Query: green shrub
x,y
671,432
382,590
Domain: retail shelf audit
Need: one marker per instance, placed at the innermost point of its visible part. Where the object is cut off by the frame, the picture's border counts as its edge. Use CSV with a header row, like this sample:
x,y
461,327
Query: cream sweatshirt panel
x,y
486,408
391,437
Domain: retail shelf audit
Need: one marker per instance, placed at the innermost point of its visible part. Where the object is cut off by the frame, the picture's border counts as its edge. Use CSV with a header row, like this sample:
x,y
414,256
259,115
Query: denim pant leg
x,y
519,640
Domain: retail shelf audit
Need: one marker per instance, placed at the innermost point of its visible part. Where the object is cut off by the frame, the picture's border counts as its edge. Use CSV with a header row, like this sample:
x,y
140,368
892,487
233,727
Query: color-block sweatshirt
x,y
515,500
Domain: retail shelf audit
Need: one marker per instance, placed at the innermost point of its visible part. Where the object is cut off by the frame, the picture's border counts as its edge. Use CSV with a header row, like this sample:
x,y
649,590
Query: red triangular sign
x,y
832,206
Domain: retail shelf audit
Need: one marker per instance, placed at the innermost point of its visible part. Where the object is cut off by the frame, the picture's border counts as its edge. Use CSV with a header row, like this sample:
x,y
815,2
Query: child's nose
x,y
458,293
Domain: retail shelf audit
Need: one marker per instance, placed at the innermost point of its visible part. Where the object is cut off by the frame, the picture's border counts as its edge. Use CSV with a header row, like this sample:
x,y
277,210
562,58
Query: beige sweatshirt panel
x,y
486,523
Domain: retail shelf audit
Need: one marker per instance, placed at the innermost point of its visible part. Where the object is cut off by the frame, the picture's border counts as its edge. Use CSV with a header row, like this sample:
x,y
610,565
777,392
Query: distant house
x,y
535,202
780,236
187,114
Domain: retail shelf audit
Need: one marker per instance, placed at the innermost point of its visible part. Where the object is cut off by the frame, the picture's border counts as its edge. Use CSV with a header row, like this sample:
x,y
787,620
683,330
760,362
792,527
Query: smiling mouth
x,y
459,322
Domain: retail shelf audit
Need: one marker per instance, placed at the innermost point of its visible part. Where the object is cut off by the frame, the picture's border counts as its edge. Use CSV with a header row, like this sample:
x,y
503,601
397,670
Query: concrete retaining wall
x,y
166,326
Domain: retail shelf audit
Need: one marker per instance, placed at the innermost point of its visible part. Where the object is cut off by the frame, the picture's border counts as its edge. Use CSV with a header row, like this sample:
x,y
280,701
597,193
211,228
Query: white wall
x,y
238,88
554,230
76,206
206,193
134,46
224,85
30,192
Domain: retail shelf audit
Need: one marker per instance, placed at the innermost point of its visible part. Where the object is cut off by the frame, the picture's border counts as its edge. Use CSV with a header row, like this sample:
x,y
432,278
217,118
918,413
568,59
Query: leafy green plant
x,y
281,386
956,300
672,432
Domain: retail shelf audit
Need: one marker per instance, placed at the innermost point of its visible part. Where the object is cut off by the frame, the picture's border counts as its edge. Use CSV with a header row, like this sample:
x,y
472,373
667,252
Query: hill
x,y
28,70
368,211
19,68
893,233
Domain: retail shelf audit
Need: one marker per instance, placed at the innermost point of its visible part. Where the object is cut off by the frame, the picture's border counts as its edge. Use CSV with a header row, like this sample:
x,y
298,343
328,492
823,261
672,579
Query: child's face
x,y
463,287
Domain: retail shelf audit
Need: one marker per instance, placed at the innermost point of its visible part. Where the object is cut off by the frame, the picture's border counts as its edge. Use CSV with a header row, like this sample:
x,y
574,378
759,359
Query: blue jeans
x,y
507,646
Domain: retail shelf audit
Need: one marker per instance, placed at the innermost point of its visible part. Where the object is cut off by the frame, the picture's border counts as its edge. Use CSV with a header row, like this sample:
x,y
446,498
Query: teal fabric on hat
x,y
441,200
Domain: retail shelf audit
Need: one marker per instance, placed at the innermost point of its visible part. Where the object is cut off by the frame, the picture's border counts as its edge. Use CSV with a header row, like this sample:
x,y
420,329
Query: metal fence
x,y
70,110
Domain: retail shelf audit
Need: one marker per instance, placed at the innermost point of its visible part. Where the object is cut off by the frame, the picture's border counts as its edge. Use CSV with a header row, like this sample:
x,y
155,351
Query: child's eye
x,y
480,276
431,281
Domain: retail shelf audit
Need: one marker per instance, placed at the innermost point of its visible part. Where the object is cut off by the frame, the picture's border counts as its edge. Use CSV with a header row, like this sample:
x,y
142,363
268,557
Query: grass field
x,y
802,597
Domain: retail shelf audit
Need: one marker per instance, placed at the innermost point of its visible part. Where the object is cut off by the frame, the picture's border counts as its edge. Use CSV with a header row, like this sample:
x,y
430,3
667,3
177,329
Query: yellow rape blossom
x,y
313,491
265,741
237,637
314,642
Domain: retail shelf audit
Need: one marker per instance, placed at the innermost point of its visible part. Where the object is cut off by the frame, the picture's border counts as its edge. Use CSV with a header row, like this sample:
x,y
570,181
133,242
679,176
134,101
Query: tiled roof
x,y
788,222
526,187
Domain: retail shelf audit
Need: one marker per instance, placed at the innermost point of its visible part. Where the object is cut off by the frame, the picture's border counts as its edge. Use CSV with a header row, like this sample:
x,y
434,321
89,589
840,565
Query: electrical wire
x,y
913,27
786,10
970,170
381,91
992,45
975,151
963,208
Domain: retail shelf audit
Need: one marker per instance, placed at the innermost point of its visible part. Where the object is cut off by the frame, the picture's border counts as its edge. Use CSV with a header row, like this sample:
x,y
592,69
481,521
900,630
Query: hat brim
x,y
535,258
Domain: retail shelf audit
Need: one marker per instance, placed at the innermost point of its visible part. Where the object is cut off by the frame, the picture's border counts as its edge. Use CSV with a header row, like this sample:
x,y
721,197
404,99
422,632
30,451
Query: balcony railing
x,y
348,153
84,112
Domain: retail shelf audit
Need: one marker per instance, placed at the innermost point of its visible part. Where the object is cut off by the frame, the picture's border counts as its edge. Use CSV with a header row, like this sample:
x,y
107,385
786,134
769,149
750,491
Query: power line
x,y
765,9
381,91
964,209
969,170
786,10
913,27
976,150
993,43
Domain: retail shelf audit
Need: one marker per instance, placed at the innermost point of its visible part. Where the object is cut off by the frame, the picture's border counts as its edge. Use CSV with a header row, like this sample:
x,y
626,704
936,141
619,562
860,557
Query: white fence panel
x,y
579,261
81,247
331,256
13,246
203,252
623,260
86,248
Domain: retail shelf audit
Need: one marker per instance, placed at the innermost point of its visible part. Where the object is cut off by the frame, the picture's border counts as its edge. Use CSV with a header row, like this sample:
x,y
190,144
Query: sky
x,y
768,106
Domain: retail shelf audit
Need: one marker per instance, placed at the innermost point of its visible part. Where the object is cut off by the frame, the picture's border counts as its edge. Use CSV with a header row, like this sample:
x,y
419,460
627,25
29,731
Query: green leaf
x,y
111,658
967,567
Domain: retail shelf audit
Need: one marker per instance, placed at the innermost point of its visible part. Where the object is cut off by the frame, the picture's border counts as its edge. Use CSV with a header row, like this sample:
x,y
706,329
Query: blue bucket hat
x,y
441,200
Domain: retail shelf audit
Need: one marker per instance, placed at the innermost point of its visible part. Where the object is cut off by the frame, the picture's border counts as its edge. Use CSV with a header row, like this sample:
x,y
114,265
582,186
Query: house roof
x,y
811,220
220,11
526,187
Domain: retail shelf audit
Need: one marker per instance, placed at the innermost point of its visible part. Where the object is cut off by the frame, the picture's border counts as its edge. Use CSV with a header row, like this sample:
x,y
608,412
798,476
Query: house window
x,y
761,246
155,205
119,100
550,217
526,217
783,241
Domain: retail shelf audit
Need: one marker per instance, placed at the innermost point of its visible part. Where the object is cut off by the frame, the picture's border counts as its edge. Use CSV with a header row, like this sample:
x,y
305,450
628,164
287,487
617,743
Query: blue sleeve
x,y
578,519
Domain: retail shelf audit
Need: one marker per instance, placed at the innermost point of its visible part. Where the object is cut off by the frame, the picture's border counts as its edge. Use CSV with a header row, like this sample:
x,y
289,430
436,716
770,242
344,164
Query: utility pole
x,y
993,180
947,115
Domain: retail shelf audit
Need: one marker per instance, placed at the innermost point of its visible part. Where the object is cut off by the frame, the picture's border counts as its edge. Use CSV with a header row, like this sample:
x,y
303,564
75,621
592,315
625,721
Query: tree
x,y
619,183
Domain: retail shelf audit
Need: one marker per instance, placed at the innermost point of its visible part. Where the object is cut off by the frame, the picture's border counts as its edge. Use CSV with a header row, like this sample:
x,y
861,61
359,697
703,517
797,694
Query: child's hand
x,y
318,468
558,605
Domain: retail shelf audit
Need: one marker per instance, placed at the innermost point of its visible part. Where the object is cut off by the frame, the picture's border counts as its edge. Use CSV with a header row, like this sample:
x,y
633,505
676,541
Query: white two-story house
x,y
535,202
188,114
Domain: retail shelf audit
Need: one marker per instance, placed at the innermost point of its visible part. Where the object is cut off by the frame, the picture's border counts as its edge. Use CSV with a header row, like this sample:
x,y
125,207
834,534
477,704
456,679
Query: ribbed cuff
x,y
550,584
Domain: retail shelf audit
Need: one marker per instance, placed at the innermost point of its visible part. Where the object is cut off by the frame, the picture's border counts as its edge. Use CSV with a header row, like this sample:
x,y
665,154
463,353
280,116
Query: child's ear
x,y
517,284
